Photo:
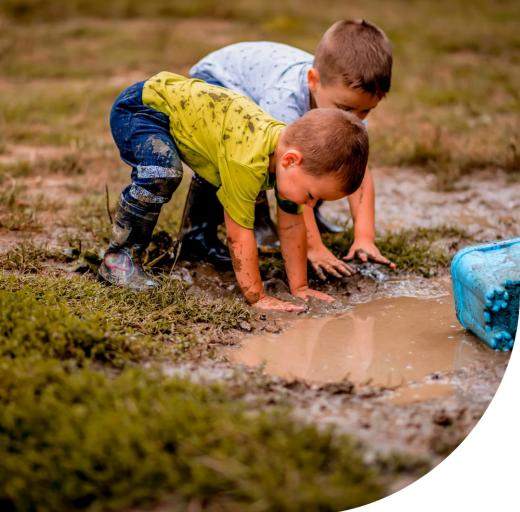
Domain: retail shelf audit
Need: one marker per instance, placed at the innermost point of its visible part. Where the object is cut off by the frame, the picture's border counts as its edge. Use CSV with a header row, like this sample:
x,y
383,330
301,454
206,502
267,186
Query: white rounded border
x,y
483,472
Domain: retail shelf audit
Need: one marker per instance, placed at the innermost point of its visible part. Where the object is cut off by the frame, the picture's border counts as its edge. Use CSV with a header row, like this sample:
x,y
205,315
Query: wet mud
x,y
394,343
431,410
388,362
384,363
486,204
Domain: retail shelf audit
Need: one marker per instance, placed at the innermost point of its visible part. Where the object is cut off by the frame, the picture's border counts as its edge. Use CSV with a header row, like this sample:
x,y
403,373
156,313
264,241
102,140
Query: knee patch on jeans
x,y
155,184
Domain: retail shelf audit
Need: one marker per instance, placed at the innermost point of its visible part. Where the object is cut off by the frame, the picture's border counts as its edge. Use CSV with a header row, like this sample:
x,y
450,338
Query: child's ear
x,y
291,157
313,78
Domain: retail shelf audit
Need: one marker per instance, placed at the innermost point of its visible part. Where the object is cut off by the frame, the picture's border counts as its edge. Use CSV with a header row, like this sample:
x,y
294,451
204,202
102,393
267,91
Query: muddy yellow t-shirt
x,y
223,136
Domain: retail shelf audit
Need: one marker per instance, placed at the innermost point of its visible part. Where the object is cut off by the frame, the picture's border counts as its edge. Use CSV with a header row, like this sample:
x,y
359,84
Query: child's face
x,y
337,95
296,185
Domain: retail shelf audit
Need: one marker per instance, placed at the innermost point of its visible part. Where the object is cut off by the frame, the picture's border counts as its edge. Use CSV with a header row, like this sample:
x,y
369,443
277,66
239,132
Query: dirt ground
x,y
445,156
484,204
428,428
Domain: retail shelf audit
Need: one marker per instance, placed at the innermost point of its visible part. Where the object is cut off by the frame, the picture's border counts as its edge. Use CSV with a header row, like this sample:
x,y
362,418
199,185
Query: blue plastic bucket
x,y
486,290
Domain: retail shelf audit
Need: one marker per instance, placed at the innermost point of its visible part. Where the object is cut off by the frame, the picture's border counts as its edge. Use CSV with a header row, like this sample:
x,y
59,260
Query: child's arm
x,y
322,259
362,209
292,233
244,254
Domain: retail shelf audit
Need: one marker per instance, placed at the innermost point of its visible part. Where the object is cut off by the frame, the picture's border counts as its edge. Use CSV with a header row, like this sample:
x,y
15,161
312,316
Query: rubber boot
x,y
203,213
131,234
324,225
266,234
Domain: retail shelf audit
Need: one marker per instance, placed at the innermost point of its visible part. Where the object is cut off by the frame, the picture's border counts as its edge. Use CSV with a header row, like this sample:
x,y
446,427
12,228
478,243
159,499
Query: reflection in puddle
x,y
387,342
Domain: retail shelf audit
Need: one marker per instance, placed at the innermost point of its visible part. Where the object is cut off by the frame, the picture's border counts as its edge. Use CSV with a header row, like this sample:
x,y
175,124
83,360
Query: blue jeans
x,y
142,135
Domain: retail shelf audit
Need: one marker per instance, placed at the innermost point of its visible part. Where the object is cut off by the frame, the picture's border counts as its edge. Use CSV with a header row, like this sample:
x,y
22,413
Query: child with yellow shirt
x,y
231,143
350,70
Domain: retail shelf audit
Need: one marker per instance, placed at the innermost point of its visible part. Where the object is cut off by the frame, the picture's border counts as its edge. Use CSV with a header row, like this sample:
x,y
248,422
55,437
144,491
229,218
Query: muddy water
x,y
395,342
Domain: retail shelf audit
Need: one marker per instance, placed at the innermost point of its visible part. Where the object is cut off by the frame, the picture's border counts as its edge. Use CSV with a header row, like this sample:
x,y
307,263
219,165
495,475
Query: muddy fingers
x,y
319,272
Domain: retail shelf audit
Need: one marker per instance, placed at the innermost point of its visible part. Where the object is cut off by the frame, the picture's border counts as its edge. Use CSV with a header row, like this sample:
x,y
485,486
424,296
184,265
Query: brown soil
x,y
485,204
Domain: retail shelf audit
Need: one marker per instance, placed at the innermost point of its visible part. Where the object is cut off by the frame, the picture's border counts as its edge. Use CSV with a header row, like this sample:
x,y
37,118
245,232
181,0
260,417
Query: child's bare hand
x,y
307,293
269,302
366,250
324,262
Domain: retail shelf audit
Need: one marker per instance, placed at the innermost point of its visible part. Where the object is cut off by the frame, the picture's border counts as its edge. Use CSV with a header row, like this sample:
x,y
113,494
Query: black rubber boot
x,y
324,225
131,233
203,213
266,234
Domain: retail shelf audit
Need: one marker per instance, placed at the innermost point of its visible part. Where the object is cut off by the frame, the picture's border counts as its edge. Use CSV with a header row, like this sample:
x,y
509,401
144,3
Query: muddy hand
x,y
324,262
274,304
308,293
368,251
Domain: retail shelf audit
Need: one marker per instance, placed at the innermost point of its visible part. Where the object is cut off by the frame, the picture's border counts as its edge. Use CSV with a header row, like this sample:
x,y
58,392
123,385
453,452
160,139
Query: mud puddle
x,y
397,343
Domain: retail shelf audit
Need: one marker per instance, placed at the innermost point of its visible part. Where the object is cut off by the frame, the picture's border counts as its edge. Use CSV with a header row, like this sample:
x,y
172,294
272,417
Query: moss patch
x,y
420,250
162,323
43,327
111,443
73,437
423,251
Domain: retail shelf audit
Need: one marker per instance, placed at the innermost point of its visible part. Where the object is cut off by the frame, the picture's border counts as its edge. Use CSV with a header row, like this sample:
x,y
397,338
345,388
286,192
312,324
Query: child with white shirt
x,y
351,70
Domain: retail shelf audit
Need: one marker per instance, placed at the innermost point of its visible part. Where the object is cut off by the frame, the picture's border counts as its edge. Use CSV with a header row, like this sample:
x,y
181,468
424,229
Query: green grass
x,y
168,316
45,328
28,258
27,9
423,251
65,114
76,436
455,72
455,66
82,440
419,250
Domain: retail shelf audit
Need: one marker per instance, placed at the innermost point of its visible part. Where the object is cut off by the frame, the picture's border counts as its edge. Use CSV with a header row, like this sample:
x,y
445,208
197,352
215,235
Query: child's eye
x,y
311,197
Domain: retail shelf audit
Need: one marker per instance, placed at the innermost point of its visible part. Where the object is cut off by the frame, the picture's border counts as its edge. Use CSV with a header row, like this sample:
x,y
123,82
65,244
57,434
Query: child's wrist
x,y
315,245
253,296
367,236
301,288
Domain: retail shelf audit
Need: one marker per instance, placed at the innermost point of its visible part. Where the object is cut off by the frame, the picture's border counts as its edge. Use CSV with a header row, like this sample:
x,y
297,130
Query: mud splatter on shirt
x,y
223,136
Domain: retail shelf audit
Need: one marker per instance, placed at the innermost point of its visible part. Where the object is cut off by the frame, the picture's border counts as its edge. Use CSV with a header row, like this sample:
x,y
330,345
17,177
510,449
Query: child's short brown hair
x,y
358,54
331,142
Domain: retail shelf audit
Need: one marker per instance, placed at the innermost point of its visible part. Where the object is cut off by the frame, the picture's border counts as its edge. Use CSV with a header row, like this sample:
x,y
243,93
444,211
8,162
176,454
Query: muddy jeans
x,y
143,137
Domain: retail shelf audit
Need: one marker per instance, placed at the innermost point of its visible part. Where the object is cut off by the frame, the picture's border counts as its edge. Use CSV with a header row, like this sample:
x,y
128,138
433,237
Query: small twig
x,y
176,251
156,260
178,248
108,204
